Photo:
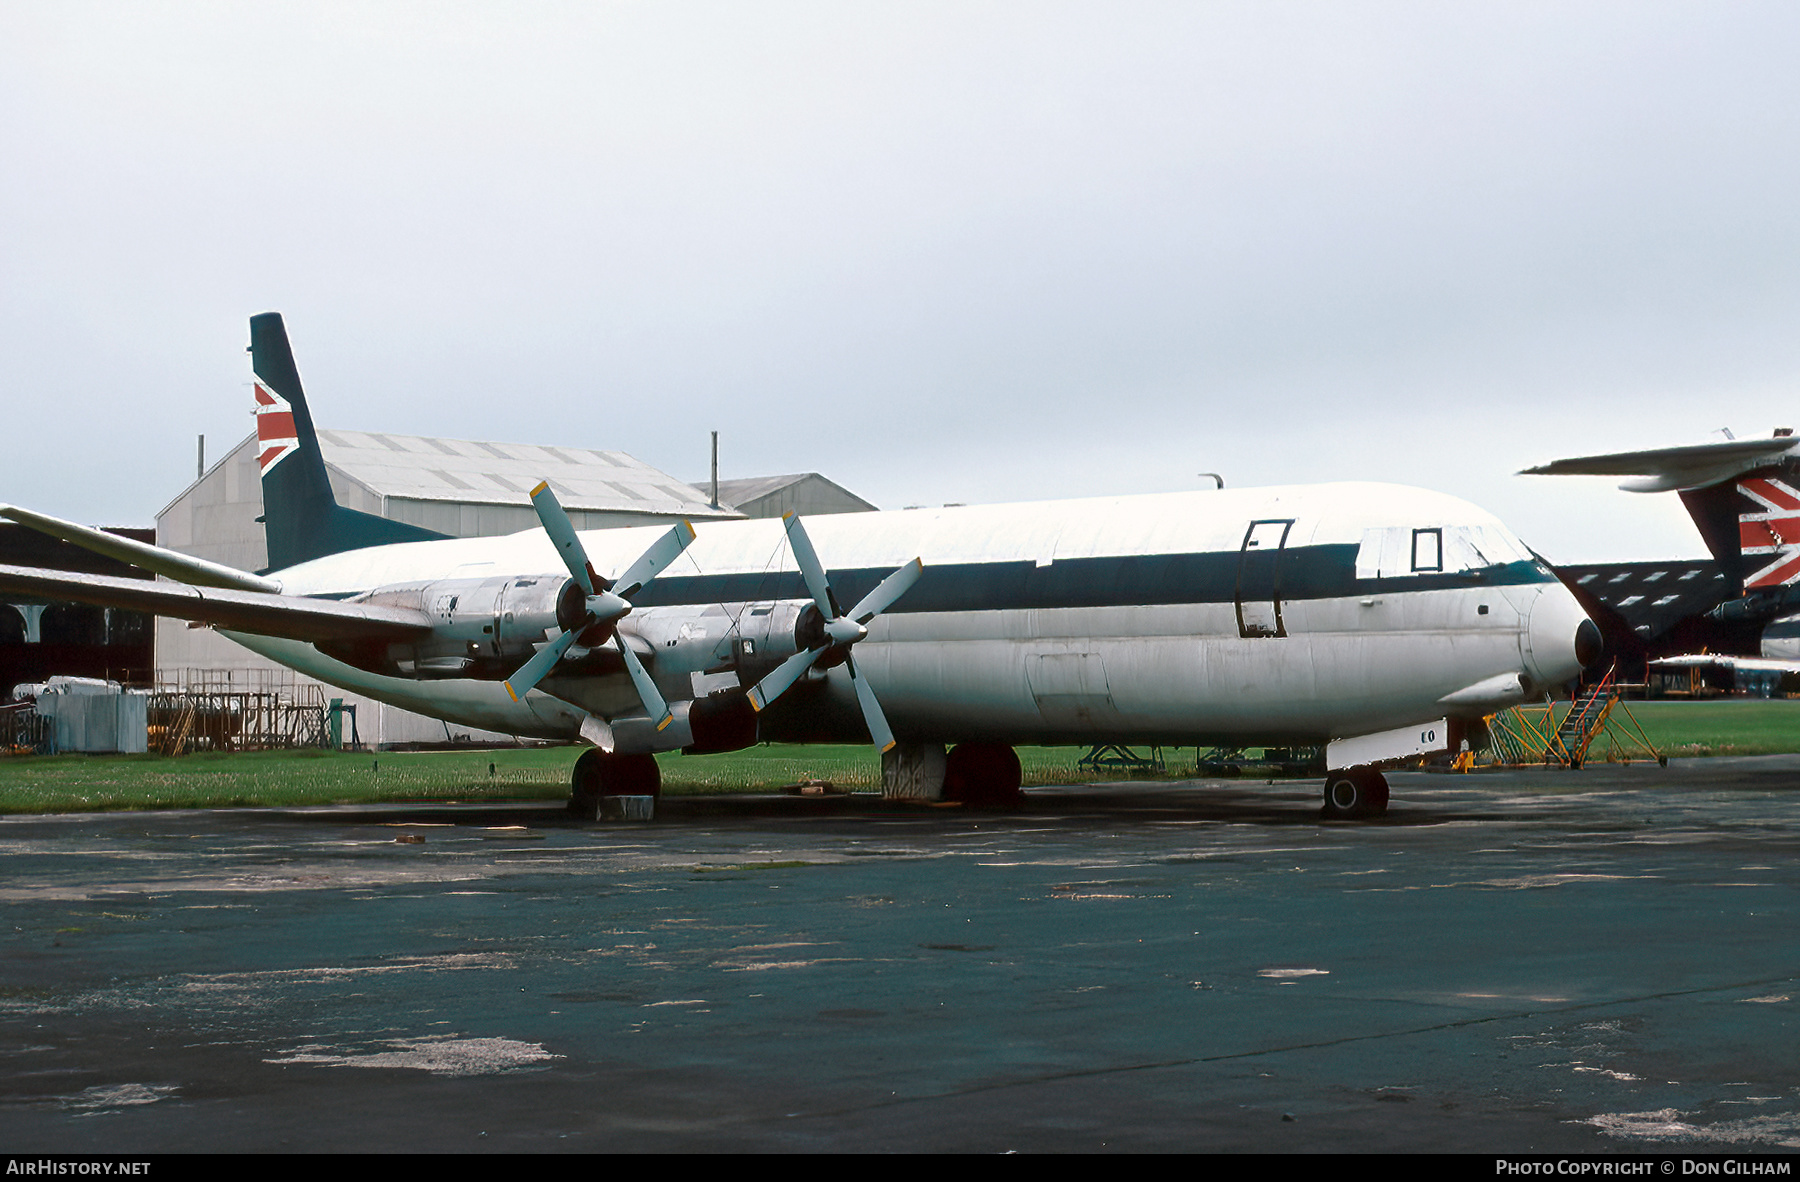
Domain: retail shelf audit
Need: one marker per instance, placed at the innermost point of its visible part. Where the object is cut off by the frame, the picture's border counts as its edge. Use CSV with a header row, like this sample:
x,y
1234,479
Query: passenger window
x,y
1428,550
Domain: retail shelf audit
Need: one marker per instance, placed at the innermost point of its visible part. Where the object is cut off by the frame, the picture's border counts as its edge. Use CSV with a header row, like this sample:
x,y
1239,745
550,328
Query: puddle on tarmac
x,y
440,1055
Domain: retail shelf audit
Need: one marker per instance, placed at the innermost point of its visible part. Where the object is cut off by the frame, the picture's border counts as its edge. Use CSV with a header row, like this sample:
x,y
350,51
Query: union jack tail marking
x,y
1773,532
276,437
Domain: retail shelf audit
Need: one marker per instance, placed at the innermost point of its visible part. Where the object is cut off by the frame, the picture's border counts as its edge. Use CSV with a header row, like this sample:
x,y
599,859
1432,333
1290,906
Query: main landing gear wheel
x,y
598,774
982,773
1354,793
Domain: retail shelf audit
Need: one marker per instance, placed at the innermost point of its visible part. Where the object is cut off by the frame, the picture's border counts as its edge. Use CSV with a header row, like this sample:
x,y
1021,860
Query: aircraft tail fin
x,y
1751,524
301,518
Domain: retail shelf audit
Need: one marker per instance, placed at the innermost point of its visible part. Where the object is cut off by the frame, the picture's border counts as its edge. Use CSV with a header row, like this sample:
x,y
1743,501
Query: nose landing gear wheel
x,y
1355,793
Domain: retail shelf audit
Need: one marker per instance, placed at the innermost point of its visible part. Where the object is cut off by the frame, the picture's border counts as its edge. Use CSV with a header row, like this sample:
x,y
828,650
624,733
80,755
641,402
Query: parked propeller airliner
x,y
1370,618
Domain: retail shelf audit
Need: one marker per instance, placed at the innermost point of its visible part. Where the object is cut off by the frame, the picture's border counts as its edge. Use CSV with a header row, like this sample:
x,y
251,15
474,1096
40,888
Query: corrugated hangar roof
x,y
733,491
427,468
807,492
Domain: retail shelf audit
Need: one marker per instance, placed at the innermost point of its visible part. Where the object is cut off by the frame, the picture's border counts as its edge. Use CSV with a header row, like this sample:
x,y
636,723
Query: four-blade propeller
x,y
841,630
605,604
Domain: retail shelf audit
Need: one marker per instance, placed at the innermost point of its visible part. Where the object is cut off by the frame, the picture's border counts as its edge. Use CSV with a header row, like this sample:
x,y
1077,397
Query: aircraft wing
x,y
264,613
1669,468
158,561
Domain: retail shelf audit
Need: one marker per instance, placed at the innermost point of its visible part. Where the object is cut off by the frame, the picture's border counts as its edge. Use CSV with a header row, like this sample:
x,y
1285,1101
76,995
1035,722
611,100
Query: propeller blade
x,y
887,591
653,702
651,563
782,677
810,568
556,523
534,670
878,723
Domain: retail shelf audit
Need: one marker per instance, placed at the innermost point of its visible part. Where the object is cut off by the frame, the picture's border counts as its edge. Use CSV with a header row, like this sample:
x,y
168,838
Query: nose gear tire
x,y
1355,793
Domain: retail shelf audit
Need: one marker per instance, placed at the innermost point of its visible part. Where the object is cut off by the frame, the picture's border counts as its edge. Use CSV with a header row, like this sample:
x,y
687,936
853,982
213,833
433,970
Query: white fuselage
x,y
1172,618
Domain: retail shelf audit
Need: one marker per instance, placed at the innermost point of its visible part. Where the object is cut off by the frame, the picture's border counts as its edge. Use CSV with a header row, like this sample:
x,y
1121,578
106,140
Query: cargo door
x,y
1259,579
1072,691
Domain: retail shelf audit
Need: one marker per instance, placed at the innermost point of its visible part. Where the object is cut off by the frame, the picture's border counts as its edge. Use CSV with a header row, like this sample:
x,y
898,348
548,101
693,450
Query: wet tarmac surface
x,y
1603,960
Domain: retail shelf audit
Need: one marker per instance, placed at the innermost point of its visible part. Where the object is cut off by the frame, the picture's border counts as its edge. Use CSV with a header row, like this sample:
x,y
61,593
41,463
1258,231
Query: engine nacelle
x,y
698,726
770,633
485,629
481,628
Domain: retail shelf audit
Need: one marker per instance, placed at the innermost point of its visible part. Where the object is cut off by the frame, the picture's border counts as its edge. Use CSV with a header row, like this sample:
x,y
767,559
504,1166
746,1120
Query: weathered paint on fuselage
x,y
1102,620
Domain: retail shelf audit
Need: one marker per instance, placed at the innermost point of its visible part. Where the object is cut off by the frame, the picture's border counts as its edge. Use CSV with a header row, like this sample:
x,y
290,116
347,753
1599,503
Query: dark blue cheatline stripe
x,y
1307,572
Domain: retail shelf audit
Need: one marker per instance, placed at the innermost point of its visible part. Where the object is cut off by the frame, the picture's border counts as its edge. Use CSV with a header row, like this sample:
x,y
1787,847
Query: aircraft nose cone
x,y
1559,640
1588,643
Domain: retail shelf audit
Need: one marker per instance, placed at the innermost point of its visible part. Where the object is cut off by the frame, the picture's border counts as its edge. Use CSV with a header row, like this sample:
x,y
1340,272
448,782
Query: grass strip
x,y
276,779
1732,726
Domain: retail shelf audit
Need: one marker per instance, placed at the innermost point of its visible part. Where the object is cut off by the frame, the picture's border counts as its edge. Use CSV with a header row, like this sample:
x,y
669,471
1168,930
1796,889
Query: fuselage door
x,y
1259,579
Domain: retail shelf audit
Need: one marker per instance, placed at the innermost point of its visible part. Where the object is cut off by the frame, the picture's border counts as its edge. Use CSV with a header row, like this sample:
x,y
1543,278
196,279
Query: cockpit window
x,y
1427,550
1402,550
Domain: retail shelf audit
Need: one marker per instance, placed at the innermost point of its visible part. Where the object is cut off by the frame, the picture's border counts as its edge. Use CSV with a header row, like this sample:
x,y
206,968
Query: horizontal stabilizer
x,y
1720,661
171,564
294,617
1669,469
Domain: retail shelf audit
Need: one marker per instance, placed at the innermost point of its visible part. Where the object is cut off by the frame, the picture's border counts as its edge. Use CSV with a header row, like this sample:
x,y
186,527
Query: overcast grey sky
x,y
939,252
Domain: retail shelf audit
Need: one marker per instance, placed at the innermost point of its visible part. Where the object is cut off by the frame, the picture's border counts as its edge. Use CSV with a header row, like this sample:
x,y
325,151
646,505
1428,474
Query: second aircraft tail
x,y
1743,494
1752,525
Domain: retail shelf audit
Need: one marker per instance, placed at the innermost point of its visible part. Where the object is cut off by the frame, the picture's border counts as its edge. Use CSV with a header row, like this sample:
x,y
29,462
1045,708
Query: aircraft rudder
x,y
1755,520
301,518
297,500
272,357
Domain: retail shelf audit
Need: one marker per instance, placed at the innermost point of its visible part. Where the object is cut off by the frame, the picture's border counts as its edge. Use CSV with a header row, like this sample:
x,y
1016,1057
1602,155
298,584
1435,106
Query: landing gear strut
x,y
598,774
982,773
1354,793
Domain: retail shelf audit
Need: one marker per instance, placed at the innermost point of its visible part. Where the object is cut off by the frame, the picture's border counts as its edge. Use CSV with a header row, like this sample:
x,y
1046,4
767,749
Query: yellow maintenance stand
x,y
1542,735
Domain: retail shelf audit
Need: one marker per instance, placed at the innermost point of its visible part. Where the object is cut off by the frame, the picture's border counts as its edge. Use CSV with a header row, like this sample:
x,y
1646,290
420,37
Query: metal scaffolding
x,y
236,710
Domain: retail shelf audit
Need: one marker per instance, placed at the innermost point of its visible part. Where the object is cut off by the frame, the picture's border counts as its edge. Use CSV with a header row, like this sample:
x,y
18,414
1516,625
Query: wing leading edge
x,y
1674,468
264,613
